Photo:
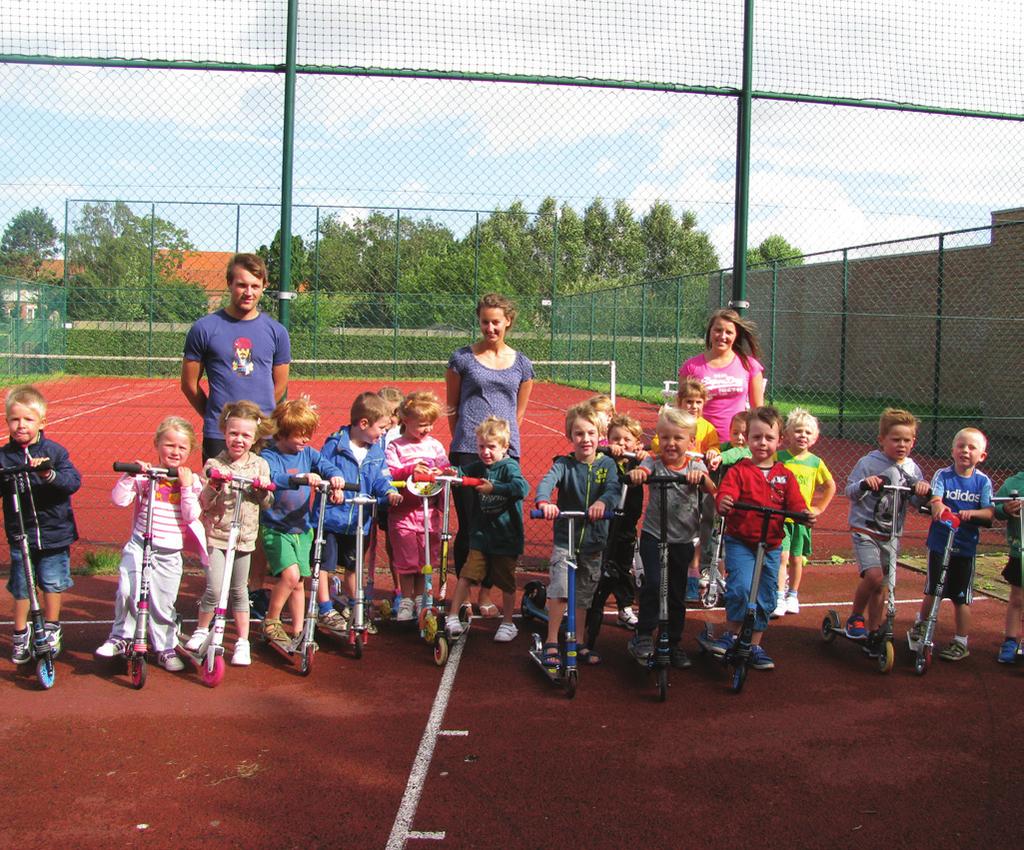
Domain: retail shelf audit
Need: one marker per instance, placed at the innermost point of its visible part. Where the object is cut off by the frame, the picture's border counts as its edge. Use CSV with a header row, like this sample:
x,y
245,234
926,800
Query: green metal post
x,y
476,263
152,293
679,319
67,262
936,391
643,333
316,290
554,291
287,161
590,349
744,110
774,326
842,339
238,226
568,347
615,322
721,288
398,271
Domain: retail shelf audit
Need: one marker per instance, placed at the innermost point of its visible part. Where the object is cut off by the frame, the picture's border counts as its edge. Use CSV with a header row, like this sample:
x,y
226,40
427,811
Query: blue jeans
x,y
52,567
739,561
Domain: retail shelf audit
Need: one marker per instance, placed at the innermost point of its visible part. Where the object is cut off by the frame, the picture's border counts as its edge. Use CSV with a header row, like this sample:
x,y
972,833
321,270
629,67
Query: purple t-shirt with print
x,y
238,357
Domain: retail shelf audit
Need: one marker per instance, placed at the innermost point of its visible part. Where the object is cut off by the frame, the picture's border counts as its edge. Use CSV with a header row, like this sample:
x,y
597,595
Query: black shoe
x,y
679,659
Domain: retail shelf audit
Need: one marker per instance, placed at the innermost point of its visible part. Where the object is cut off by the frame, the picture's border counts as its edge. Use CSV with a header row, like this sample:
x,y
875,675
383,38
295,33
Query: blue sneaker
x,y
855,628
760,660
722,644
1008,651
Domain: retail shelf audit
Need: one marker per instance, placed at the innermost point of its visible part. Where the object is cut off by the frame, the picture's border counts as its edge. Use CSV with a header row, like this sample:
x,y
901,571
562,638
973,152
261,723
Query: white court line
x,y
88,393
427,836
454,733
542,425
92,410
401,829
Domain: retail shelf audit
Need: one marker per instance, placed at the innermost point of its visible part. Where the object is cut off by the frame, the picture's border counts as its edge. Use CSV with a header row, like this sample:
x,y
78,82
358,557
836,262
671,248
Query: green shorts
x,y
796,539
284,550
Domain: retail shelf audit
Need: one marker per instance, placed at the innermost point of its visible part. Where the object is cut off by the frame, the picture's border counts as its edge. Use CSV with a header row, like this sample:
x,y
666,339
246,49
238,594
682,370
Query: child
x,y
960,490
285,528
586,481
1010,511
356,452
414,451
393,396
46,511
676,436
175,525
605,410
496,531
758,480
735,449
871,514
818,488
244,428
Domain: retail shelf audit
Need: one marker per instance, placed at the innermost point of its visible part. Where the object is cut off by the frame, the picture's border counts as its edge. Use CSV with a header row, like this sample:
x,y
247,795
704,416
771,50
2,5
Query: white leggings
x,y
164,580
238,598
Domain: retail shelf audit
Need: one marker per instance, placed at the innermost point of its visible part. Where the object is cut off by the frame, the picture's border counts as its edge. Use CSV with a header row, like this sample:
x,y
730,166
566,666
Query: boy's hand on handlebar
x,y
810,516
394,498
616,451
714,460
873,482
725,505
485,487
1012,508
922,488
312,479
596,512
549,509
694,476
636,476
641,453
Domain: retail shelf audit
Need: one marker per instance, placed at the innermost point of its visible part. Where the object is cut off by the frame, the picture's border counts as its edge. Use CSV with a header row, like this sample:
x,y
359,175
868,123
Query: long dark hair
x,y
746,334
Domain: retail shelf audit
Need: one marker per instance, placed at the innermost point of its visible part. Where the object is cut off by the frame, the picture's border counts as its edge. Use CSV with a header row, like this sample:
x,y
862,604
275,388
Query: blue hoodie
x,y
373,476
49,520
579,485
290,512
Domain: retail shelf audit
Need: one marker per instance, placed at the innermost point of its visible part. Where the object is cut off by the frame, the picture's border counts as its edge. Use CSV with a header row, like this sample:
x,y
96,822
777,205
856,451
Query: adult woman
x,y
487,378
728,368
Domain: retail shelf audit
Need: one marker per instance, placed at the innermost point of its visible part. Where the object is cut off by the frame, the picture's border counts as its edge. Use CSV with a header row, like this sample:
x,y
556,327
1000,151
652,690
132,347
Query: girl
x,y
176,525
245,428
414,451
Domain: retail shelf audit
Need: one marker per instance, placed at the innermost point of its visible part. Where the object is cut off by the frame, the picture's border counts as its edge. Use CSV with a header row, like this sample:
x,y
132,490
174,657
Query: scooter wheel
x,y
137,671
739,676
212,678
886,657
709,596
662,684
830,627
306,661
428,624
538,644
45,672
572,681
537,594
923,660
440,650
357,647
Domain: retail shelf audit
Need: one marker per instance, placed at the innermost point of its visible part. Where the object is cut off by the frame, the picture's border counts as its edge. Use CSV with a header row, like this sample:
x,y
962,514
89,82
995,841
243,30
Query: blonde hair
x,y
673,417
584,411
893,416
392,395
295,416
626,423
27,396
265,426
495,428
422,404
799,416
970,429
371,407
176,423
691,387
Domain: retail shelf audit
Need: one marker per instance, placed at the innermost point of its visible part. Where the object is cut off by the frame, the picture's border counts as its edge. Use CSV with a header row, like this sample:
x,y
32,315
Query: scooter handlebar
x,y
156,471
952,520
901,487
537,513
434,477
215,474
607,450
796,516
296,481
14,469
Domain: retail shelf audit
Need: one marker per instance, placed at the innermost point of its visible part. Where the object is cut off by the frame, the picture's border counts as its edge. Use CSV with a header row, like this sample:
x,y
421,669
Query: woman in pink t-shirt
x,y
728,368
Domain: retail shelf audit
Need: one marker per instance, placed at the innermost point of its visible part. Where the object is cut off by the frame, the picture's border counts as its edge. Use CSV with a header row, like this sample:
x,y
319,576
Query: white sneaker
x,y
627,618
112,648
453,625
240,657
196,641
405,610
792,603
506,632
419,606
780,606
168,659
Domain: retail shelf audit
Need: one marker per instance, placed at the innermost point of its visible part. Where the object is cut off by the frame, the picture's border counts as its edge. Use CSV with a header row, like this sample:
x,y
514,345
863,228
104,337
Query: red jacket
x,y
746,483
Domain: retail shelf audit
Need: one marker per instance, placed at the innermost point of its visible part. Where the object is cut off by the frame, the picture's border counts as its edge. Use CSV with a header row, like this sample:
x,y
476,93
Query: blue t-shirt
x,y
487,392
290,512
239,358
959,494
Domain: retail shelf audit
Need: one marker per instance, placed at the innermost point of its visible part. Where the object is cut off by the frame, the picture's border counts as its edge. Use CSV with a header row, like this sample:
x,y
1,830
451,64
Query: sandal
x,y
552,658
489,610
588,656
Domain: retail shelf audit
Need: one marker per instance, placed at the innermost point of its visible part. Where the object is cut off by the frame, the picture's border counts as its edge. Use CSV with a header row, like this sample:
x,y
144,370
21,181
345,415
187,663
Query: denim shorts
x,y
52,568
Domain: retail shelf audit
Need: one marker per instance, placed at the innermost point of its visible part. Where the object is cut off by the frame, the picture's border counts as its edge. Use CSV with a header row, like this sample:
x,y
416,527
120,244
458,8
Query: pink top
x,y
176,524
728,387
402,455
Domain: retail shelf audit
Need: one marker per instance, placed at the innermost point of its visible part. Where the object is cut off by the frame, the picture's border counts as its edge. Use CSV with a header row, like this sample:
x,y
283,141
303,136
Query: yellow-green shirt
x,y
810,471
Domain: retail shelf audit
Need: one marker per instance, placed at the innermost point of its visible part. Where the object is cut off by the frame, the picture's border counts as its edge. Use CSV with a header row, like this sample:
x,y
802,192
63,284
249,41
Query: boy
x,y
394,397
758,480
871,514
356,451
1010,511
676,432
818,488
285,528
960,490
586,481
46,511
496,525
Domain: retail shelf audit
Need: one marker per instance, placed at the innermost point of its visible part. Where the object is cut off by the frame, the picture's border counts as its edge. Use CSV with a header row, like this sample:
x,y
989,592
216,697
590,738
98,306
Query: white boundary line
x,y
92,410
401,830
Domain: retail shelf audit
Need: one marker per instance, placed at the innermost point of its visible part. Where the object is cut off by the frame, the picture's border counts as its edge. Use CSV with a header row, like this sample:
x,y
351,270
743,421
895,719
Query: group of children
x,y
389,438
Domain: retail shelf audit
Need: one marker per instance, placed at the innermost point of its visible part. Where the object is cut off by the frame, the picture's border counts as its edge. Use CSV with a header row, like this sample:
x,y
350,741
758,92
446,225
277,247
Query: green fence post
x,y
568,347
679,318
554,289
66,261
744,117
842,339
152,294
287,162
643,333
615,322
476,262
774,325
16,324
721,288
238,226
590,350
316,291
398,270
936,392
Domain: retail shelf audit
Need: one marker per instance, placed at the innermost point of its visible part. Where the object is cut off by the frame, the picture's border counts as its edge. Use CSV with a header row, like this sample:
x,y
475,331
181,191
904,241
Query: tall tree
x,y
30,238
774,249
302,262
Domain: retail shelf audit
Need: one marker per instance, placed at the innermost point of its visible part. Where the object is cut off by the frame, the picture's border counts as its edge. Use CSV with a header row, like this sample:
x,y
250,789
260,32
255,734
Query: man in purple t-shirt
x,y
244,353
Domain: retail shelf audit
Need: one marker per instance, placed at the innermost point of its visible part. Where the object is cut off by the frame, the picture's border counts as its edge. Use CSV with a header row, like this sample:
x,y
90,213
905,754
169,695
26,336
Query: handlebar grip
x,y
14,469
128,468
796,516
423,477
536,513
136,469
472,482
607,450
215,474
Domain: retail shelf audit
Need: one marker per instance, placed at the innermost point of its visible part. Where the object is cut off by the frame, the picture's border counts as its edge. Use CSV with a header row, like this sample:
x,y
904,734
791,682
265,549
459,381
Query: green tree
x,y
774,249
30,238
674,248
301,263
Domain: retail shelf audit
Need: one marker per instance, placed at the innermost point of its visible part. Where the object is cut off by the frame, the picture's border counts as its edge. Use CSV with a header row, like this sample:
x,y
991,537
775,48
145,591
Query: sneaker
x,y
418,607
679,659
1008,651
722,644
792,603
780,607
641,647
240,657
760,660
506,632
405,610
259,601
916,634
197,639
692,588
332,621
274,631
855,628
453,625
54,637
627,617
956,651
168,659
112,648
21,653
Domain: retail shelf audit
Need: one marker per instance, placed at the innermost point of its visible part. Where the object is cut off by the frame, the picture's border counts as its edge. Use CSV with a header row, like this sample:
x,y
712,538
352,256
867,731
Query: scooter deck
x,y
553,673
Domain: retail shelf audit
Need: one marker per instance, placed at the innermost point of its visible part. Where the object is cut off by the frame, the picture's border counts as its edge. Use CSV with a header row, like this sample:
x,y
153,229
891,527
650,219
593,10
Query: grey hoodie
x,y
870,510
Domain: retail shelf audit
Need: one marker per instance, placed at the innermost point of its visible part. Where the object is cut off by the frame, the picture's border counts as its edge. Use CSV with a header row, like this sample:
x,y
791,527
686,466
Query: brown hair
x,y
586,412
176,423
422,404
265,426
627,423
495,301
295,416
371,407
746,334
27,396
691,387
893,416
252,263
767,414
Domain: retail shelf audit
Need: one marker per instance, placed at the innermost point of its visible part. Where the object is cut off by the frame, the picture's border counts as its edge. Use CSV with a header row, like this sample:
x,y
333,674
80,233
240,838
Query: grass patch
x,y
988,570
100,562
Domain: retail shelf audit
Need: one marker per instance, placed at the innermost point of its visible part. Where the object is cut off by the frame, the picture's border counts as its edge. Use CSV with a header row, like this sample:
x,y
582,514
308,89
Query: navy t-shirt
x,y
238,357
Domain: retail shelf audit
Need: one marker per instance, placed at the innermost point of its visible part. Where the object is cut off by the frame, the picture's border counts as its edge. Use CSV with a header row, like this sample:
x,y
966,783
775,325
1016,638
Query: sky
x,y
822,176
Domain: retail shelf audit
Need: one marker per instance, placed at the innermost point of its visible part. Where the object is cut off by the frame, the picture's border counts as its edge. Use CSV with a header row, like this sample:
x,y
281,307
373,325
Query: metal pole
x,y
771,342
590,349
842,339
615,322
744,109
152,273
316,289
679,312
476,262
554,289
939,285
398,270
238,226
643,332
287,162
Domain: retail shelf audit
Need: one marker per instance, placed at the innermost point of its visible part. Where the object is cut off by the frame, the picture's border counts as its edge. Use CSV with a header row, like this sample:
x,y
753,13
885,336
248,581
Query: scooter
x,y
1014,497
208,659
39,647
738,655
879,644
712,583
138,646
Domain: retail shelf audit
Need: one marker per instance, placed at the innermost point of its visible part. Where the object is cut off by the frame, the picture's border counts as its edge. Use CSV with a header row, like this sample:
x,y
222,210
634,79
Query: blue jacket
x,y
579,485
373,476
49,520
290,512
